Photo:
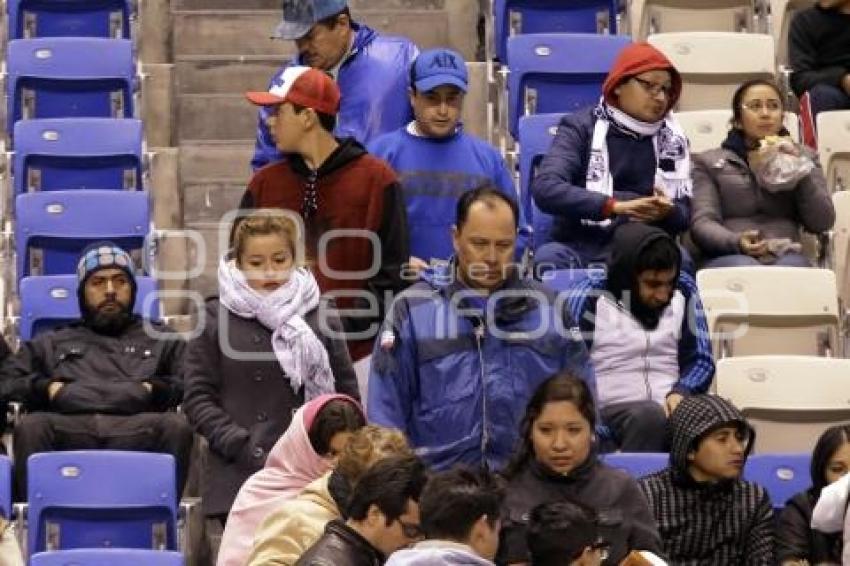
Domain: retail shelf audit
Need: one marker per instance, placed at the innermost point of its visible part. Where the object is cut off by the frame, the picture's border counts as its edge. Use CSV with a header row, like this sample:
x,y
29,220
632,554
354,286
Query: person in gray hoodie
x,y
459,511
706,514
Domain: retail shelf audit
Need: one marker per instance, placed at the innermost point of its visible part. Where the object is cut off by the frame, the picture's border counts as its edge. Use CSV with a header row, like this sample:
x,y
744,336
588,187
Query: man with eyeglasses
x,y
624,160
819,53
383,516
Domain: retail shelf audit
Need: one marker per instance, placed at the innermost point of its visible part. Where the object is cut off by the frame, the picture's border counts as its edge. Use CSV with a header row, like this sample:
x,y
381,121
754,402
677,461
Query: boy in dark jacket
x,y
103,382
706,514
383,516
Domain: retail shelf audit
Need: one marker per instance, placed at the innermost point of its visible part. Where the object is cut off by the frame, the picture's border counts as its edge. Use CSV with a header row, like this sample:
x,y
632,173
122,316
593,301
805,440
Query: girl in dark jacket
x,y
557,461
796,542
261,355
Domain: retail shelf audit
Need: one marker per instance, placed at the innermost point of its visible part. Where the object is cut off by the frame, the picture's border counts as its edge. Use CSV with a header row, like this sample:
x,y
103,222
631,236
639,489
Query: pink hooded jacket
x,y
291,465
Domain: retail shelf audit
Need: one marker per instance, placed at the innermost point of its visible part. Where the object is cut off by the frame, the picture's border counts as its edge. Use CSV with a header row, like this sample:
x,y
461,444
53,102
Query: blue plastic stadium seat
x,y
546,16
5,487
101,499
68,18
107,557
51,300
782,475
535,136
78,153
62,223
637,464
69,77
566,71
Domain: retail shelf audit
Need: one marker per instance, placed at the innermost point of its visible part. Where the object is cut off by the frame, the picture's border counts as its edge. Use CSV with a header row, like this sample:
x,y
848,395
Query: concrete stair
x,y
220,49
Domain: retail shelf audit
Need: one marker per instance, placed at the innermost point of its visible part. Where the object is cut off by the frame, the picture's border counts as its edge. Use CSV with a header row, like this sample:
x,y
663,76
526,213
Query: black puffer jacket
x,y
625,519
341,546
795,538
728,522
102,374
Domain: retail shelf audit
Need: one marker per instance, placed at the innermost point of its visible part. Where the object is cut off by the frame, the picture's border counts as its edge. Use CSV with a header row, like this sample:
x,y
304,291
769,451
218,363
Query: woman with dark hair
x,y
310,447
740,221
557,461
796,542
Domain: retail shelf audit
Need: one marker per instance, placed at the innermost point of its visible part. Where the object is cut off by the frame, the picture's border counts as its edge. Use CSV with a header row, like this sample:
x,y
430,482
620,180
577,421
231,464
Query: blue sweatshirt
x,y
434,172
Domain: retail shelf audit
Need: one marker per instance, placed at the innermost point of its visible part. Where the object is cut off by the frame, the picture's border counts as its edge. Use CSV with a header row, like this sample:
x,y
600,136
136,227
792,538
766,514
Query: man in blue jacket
x,y
462,351
644,325
624,160
370,69
436,160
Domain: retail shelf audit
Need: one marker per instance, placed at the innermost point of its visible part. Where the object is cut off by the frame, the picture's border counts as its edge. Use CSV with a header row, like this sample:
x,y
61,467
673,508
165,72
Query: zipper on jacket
x,y
479,338
646,367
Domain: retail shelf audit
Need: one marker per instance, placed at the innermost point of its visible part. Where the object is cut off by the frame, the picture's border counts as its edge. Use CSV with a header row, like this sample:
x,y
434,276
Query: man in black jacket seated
x,y
103,382
383,516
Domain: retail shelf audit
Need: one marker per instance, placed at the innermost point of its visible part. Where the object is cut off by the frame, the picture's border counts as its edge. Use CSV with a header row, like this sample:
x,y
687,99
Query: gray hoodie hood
x,y
437,553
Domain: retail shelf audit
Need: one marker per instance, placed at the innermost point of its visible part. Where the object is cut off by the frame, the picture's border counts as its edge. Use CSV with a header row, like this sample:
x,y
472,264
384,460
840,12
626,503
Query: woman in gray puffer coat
x,y
736,220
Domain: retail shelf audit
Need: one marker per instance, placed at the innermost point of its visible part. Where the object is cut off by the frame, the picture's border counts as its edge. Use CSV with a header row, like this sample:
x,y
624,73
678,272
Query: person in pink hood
x,y
308,449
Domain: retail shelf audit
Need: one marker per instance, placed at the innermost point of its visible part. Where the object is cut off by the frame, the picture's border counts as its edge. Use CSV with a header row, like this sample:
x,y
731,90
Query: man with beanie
x,y
351,203
437,161
370,69
645,328
624,160
706,514
103,382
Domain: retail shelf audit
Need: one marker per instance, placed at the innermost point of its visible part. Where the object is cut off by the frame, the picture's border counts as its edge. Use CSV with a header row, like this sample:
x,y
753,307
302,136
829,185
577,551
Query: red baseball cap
x,y
303,86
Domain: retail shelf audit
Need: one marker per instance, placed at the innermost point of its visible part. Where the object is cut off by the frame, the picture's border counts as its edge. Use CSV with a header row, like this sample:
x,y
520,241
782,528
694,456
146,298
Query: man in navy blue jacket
x,y
370,69
624,160
437,161
463,350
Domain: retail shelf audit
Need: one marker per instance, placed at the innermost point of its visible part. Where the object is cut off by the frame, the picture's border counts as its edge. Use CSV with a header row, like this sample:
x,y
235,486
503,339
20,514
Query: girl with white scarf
x,y
268,346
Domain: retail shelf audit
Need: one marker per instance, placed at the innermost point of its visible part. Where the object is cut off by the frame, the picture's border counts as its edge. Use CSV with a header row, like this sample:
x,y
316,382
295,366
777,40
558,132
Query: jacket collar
x,y
354,540
349,149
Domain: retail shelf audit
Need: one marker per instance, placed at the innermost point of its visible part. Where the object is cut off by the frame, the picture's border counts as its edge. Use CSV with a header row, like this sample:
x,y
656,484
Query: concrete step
x,y
356,5
216,117
206,201
206,259
247,32
216,160
216,74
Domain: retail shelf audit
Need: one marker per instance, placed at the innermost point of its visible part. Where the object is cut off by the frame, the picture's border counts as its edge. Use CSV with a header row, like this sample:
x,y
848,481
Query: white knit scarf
x,y
668,138
302,356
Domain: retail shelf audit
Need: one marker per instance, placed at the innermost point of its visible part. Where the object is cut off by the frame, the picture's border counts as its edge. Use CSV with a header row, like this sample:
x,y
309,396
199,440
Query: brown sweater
x,y
354,191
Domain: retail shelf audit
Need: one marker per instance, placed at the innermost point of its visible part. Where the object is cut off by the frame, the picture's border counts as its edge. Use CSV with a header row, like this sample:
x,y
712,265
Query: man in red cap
x,y
335,185
624,160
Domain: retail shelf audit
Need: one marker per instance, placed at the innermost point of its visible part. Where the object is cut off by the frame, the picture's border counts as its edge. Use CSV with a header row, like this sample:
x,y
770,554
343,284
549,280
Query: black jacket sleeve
x,y
167,382
329,329
24,376
202,398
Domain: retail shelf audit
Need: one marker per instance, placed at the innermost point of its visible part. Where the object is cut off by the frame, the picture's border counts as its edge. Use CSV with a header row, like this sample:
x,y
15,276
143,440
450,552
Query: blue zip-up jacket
x,y
696,362
373,81
434,173
456,384
559,189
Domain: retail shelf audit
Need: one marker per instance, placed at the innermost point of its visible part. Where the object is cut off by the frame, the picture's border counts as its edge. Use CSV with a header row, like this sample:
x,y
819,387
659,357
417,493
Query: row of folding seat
x,y
642,18
78,173
114,507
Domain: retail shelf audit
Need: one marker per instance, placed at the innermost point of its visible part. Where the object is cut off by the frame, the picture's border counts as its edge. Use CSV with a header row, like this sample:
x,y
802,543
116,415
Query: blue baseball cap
x,y
299,16
438,67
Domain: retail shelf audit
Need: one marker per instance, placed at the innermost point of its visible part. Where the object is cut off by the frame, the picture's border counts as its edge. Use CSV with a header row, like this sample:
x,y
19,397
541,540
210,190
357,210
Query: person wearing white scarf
x,y
268,345
625,159
301,355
